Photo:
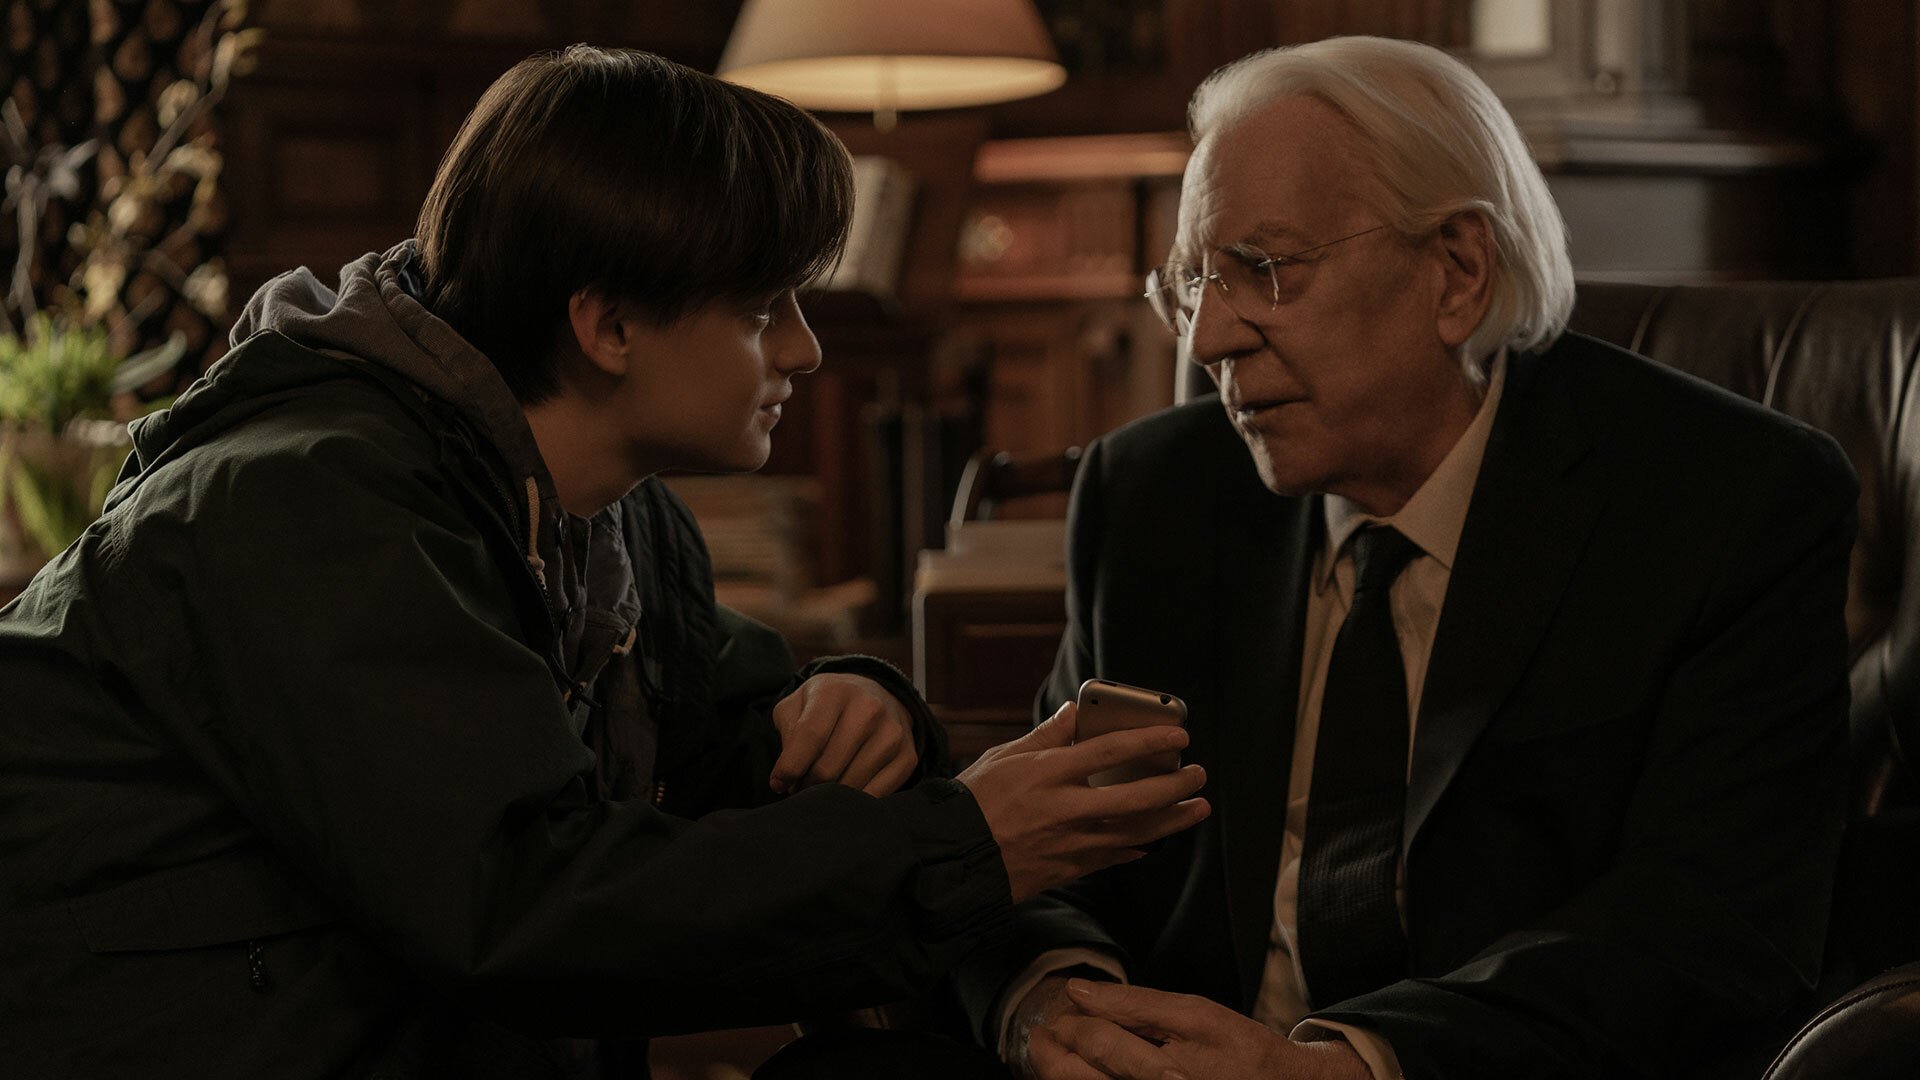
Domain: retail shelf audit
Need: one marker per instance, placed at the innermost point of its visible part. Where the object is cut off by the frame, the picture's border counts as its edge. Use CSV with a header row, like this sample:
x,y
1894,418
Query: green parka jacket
x,y
334,749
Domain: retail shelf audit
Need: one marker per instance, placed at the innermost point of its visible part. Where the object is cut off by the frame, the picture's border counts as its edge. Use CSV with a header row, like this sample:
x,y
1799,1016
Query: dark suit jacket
x,y
1627,784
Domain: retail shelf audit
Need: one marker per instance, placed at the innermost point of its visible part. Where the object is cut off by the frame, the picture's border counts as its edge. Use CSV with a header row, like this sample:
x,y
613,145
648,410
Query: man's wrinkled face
x,y
1336,377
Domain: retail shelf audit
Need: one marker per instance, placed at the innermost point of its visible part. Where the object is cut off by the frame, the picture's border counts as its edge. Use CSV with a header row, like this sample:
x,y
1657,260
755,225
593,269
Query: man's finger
x,y
802,737
1051,1061
1114,1050
1153,1014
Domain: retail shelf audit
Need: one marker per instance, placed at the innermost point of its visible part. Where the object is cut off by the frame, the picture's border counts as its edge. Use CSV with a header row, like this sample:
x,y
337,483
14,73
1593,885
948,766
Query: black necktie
x,y
1349,938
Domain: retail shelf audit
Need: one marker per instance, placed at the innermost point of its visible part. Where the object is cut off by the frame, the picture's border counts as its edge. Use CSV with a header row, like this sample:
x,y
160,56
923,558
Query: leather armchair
x,y
1844,357
1871,1033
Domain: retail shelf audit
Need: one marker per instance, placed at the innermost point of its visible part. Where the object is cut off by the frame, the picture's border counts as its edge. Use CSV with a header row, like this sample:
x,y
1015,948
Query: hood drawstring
x,y
534,561
626,646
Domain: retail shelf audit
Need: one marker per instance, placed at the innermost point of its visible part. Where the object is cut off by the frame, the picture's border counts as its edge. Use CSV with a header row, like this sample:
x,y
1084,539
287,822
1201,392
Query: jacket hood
x,y
375,317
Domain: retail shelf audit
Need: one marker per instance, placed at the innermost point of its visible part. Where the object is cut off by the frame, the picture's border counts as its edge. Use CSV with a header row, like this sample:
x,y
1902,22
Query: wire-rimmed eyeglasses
x,y
1244,275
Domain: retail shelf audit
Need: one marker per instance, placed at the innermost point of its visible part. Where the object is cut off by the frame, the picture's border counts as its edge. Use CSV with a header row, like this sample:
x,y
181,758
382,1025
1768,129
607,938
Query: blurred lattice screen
x,y
132,241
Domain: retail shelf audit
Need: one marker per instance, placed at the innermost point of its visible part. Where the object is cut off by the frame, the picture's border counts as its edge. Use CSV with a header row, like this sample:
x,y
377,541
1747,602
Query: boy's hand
x,y
843,729
1052,827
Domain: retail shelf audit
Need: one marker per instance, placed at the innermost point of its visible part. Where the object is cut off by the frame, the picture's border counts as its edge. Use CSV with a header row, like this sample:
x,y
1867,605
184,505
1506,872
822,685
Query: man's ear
x,y
1466,244
601,330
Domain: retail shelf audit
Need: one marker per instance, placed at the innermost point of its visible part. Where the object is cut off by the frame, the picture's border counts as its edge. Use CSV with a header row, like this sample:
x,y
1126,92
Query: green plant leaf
x,y
53,373
53,506
50,512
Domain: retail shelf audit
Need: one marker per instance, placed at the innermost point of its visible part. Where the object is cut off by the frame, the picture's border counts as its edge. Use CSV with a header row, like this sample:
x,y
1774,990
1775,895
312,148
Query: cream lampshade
x,y
883,56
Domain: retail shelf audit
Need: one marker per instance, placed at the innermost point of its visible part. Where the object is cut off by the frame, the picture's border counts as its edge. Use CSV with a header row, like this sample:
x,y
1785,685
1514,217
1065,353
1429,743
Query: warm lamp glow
x,y
886,55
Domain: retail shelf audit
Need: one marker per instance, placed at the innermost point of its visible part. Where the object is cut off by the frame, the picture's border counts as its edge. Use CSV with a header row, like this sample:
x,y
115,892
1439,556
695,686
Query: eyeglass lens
x,y
1246,286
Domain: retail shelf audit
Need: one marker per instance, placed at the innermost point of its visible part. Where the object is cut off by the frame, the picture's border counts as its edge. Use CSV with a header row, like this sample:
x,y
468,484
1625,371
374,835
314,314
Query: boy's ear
x,y
600,329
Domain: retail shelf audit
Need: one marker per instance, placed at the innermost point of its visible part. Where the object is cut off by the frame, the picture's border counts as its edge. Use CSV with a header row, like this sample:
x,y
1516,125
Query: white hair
x,y
1439,143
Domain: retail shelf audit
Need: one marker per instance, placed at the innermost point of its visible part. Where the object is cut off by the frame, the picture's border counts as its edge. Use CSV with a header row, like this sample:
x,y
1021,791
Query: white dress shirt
x,y
1432,519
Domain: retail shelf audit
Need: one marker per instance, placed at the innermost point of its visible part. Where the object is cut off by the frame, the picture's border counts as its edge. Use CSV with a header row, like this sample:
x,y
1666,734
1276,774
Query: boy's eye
x,y
761,315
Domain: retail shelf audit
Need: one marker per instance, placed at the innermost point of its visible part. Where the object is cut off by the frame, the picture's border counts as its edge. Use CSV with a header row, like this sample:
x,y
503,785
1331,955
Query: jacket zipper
x,y
257,968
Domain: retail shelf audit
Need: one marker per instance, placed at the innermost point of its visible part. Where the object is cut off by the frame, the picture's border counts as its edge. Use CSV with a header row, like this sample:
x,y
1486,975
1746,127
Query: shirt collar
x,y
1435,515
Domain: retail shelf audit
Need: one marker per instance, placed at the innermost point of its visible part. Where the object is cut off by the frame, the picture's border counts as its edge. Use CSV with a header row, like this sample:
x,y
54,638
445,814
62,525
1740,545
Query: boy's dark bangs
x,y
765,206
790,202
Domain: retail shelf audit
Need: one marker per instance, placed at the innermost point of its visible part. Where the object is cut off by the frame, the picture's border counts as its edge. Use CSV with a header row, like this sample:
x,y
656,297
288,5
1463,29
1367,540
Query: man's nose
x,y
1217,331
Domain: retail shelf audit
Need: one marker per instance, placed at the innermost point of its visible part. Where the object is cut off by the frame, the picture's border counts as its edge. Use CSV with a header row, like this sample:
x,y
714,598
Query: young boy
x,y
385,723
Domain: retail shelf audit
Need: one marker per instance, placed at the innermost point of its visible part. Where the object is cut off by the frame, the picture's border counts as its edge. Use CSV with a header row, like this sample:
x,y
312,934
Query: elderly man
x,y
1517,660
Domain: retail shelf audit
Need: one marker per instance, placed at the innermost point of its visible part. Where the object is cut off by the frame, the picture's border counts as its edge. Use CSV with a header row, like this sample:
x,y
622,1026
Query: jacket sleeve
x,y
363,693
725,763
1707,927
753,671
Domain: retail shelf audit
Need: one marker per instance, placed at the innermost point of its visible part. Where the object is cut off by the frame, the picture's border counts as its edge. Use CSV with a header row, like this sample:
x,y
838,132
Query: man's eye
x,y
1250,258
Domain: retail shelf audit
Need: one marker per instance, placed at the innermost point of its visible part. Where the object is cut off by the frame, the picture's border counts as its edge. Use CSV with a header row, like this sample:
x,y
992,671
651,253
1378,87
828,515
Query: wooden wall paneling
x,y
1438,22
1032,241
318,180
979,655
334,141
694,34
1032,405
829,431
342,124
1876,87
1692,228
1135,370
1061,374
1051,268
1197,36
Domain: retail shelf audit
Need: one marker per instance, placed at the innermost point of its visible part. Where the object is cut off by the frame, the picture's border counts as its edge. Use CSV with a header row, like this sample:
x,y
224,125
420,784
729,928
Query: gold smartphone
x,y
1110,706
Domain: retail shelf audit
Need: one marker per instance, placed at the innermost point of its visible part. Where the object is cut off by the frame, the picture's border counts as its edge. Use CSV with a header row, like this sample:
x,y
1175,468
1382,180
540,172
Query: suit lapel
x,y
1262,552
1525,532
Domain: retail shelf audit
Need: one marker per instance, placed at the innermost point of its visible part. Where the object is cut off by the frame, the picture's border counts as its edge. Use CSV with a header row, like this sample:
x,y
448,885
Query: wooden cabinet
x,y
988,613
980,655
1050,267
